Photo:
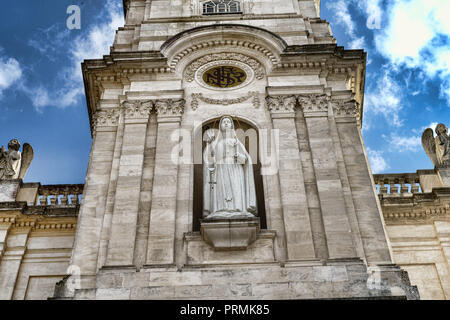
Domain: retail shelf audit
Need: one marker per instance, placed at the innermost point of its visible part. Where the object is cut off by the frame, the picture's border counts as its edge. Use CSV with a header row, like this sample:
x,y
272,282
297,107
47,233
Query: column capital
x,y
346,109
137,111
281,106
314,105
169,110
105,118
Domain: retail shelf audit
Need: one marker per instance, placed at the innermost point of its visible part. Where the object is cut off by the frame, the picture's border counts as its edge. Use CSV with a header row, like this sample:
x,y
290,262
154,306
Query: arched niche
x,y
248,134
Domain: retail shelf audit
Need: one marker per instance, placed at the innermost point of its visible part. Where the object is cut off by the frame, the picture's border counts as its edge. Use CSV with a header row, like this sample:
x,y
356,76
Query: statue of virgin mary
x,y
229,186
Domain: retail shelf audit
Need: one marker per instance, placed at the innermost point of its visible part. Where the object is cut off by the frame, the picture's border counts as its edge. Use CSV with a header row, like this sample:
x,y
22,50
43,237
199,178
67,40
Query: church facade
x,y
294,211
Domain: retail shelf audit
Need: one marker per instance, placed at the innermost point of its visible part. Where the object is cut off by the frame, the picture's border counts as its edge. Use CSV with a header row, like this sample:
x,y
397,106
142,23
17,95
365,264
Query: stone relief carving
x,y
313,102
191,70
229,185
281,103
13,163
169,107
106,118
225,102
137,109
437,148
343,108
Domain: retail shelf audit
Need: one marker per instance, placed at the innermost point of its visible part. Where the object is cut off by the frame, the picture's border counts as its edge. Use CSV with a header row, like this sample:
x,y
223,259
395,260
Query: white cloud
x,y
404,144
357,43
10,72
377,162
342,14
417,36
91,44
385,98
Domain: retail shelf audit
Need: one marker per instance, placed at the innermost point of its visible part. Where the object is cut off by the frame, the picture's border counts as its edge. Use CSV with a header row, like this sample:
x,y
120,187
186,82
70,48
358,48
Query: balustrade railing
x,y
60,195
400,184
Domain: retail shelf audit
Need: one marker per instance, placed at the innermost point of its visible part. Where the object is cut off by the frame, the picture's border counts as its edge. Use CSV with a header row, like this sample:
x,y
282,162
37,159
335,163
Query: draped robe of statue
x,y
229,185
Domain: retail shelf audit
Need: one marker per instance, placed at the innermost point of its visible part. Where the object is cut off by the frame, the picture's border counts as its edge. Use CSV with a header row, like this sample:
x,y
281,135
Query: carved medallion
x,y
224,76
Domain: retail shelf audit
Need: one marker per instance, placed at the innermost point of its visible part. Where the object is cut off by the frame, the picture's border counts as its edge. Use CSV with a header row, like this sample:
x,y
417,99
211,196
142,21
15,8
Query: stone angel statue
x,y
437,148
229,185
13,163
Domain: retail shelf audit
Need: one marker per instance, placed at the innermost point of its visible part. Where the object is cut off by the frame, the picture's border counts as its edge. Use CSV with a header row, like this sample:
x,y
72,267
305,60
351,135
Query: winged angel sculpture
x,y
13,163
437,148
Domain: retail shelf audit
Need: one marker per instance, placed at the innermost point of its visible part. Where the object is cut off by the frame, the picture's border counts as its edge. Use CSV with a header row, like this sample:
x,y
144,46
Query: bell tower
x,y
295,98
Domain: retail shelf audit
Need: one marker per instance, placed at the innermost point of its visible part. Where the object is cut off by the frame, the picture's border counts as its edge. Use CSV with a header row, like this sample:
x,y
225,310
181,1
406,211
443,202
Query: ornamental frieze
x,y
196,97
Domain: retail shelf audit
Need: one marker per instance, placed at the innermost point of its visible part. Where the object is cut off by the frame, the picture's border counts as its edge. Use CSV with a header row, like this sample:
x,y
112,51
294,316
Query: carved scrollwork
x,y
225,102
191,70
169,107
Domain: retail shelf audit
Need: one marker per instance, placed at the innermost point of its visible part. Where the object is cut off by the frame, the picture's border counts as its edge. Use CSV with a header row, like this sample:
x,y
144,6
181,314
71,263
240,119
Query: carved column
x,y
364,197
336,224
161,239
126,204
89,225
299,240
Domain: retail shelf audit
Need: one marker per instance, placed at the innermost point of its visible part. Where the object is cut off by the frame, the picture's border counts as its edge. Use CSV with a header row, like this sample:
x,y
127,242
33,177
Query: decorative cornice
x,y
169,107
194,66
137,109
416,214
281,104
225,102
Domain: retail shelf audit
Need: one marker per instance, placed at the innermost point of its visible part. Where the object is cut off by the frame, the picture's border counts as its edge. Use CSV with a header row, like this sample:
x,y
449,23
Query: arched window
x,y
221,7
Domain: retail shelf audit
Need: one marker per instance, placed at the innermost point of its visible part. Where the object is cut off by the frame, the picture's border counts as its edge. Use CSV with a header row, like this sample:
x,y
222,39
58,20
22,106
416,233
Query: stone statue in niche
x,y
229,186
437,148
13,163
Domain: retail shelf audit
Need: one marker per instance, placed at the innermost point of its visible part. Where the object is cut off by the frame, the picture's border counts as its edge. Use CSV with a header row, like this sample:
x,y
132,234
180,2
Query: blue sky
x,y
42,95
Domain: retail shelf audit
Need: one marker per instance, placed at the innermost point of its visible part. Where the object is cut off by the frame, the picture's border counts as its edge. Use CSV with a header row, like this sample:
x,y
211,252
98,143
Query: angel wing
x,y
429,145
27,157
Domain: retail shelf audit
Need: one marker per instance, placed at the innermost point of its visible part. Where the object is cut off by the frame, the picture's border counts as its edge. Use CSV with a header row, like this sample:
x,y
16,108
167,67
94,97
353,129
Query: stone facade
x,y
136,234
416,209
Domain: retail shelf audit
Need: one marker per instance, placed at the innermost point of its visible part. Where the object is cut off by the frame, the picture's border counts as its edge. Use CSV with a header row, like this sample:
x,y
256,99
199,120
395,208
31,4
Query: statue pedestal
x,y
444,174
230,234
9,190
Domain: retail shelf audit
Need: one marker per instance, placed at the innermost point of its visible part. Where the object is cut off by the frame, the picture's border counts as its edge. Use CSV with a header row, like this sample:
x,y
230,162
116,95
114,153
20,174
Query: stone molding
x,y
191,70
225,102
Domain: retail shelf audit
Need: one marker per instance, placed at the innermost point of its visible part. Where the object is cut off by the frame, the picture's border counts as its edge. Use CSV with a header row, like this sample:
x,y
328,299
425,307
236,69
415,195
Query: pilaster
x,y
334,212
299,240
161,239
367,210
126,204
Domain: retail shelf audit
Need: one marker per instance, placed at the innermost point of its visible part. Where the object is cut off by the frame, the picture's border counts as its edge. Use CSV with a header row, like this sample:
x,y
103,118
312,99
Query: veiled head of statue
x,y
226,124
